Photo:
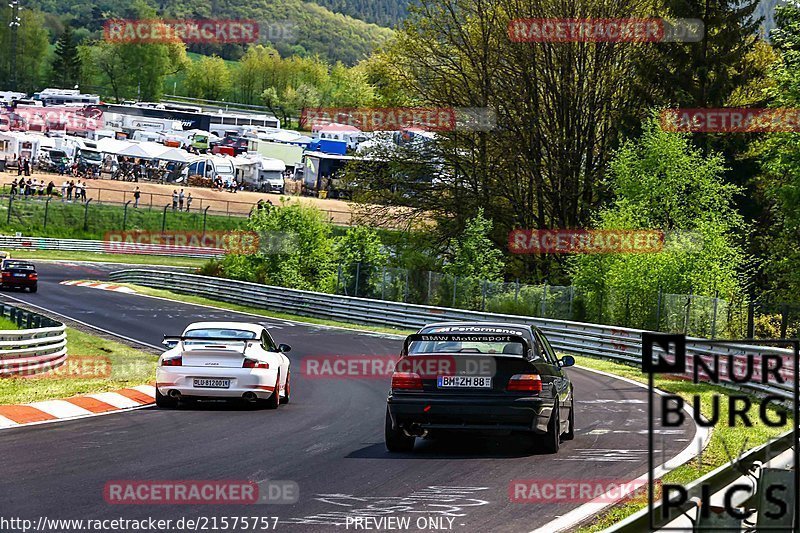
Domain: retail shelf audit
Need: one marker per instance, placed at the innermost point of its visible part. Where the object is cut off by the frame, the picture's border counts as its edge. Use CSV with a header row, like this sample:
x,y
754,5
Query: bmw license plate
x,y
464,382
205,383
19,275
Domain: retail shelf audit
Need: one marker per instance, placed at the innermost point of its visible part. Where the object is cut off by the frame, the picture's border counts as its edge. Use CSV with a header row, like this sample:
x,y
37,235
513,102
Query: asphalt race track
x,y
329,440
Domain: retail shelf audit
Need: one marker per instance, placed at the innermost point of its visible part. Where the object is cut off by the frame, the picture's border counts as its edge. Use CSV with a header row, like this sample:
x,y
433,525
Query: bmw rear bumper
x,y
473,414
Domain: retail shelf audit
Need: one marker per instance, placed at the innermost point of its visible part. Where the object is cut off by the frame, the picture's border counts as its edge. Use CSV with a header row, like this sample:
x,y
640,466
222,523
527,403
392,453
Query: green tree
x,y
662,182
296,250
473,254
361,256
31,49
209,78
66,62
129,69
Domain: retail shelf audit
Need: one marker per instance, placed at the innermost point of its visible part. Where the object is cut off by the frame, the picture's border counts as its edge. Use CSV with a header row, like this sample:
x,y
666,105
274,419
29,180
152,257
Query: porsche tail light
x,y
525,383
253,363
406,381
172,361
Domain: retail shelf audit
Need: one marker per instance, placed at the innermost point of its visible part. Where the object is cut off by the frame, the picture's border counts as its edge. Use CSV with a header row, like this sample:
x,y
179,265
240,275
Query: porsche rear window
x,y
221,332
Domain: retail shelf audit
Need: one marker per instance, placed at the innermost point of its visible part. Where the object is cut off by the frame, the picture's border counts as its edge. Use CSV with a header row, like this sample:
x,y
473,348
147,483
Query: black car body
x,y
440,384
19,274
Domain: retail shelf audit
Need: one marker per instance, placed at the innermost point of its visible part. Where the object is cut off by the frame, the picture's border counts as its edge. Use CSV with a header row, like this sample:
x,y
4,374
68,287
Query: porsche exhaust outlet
x,y
174,393
250,396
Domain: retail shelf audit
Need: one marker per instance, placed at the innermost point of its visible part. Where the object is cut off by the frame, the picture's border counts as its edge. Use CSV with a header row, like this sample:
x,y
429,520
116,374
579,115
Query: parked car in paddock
x,y
16,274
223,360
480,377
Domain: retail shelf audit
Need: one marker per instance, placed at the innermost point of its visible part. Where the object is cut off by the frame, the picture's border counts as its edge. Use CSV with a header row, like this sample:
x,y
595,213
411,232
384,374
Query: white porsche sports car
x,y
223,360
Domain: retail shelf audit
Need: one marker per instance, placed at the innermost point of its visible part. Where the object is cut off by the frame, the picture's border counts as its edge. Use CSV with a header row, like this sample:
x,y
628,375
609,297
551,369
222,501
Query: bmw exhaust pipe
x,y
174,393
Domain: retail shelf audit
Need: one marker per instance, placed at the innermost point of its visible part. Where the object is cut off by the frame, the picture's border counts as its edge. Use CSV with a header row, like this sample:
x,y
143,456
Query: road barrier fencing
x,y
100,247
40,346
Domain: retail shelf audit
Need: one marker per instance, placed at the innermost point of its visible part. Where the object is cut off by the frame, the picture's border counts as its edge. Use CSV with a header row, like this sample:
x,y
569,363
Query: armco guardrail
x,y
40,346
622,344
105,247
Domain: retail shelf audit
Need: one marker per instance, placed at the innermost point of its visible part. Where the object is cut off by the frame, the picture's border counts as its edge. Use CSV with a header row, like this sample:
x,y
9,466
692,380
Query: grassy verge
x,y
66,220
6,324
190,299
162,260
726,443
94,364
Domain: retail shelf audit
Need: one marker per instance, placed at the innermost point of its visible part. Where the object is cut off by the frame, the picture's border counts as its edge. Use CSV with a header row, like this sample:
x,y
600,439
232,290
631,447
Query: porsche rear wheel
x,y
274,401
287,389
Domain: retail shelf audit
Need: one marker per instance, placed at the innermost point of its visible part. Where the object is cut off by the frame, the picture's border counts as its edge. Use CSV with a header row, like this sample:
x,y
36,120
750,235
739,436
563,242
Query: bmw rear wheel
x,y
395,438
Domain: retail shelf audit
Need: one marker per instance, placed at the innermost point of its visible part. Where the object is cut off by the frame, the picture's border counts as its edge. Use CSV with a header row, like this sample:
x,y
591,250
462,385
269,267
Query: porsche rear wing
x,y
467,337
172,340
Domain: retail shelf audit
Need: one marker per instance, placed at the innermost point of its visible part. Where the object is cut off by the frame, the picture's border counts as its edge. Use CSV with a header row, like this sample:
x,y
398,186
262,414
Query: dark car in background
x,y
18,274
480,377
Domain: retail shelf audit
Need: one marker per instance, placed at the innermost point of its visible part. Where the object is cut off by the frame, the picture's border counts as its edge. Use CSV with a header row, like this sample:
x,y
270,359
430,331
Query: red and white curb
x,y
76,407
99,285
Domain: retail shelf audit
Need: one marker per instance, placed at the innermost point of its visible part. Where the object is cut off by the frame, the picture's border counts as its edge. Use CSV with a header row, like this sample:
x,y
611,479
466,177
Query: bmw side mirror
x,y
565,361
284,348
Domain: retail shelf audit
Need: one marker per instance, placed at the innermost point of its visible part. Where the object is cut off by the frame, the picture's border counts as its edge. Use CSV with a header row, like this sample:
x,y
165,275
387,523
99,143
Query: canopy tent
x,y
175,155
145,150
112,146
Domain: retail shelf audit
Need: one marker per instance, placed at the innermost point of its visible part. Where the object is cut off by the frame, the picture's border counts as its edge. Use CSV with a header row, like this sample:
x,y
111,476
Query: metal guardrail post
x,y
164,219
205,216
86,215
125,215
46,210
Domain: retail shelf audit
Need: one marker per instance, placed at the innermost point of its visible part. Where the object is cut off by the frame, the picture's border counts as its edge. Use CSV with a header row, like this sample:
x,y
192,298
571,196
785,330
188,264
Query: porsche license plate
x,y
206,383
464,382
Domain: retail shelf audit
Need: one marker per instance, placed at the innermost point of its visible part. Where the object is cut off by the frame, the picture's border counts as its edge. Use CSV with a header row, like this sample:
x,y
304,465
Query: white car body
x,y
215,368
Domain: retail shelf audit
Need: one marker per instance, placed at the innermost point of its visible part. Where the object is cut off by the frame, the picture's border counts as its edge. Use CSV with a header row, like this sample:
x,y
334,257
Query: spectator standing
x,y
27,167
70,188
181,197
174,199
50,187
19,167
64,187
189,201
78,191
14,187
136,195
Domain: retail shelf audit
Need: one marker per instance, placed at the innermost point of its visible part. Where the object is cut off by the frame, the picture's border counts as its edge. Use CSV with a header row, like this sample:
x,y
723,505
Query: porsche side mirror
x,y
284,348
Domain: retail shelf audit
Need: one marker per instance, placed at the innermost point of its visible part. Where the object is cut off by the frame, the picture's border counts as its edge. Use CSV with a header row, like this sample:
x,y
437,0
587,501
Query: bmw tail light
x,y
253,363
406,381
33,276
525,383
172,361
